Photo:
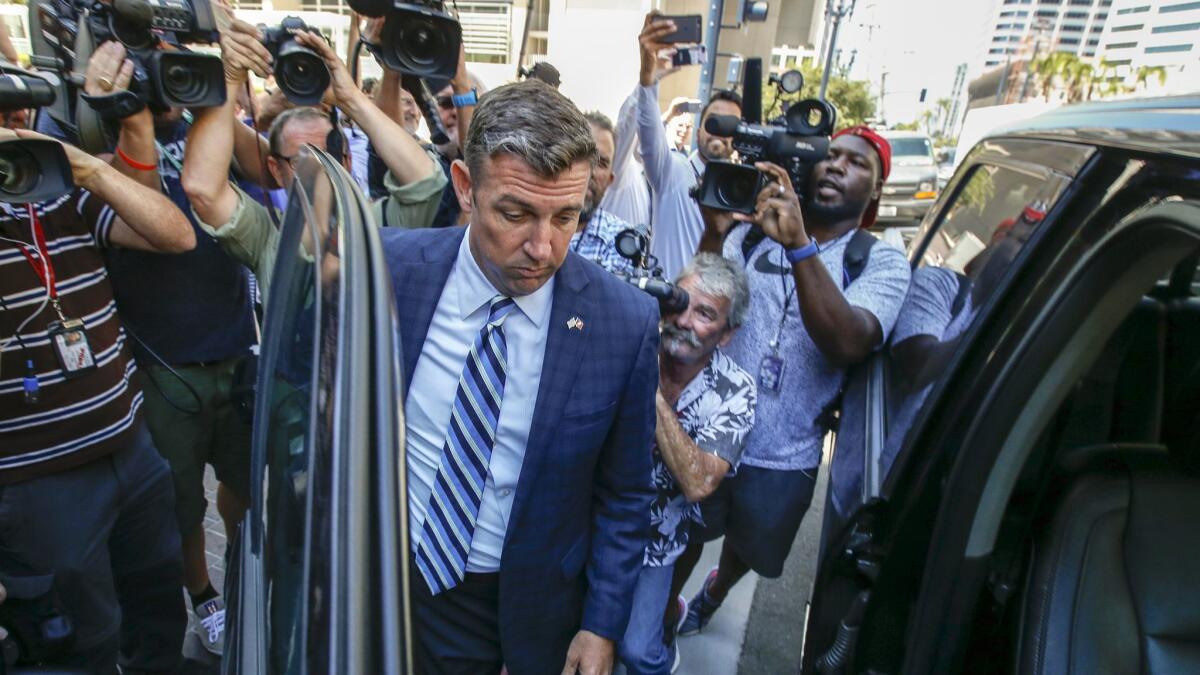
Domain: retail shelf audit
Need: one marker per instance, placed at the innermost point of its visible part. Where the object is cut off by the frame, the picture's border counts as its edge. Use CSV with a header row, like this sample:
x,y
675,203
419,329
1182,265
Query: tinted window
x,y
985,226
916,147
299,391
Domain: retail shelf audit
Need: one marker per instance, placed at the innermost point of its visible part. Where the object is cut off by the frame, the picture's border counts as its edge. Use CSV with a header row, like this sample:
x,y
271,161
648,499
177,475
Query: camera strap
x,y
42,266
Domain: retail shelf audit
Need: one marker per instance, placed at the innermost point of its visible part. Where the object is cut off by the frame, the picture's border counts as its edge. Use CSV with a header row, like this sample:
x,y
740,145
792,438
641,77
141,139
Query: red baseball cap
x,y
884,150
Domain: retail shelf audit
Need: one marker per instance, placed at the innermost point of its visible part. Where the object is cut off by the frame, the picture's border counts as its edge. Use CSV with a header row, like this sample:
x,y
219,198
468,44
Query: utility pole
x,y
836,16
882,96
712,37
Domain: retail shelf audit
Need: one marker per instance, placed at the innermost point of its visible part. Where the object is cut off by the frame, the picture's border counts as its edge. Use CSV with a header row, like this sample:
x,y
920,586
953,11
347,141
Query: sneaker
x,y
700,609
672,631
210,626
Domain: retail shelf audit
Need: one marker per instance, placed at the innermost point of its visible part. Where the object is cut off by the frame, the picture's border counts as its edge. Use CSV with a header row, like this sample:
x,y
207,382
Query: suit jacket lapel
x,y
565,348
418,288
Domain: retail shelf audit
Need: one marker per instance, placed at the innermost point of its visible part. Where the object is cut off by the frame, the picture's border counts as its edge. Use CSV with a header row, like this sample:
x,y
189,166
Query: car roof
x,y
902,134
1167,125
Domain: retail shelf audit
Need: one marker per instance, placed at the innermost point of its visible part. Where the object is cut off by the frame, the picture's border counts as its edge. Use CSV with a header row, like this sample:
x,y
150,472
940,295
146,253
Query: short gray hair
x,y
301,114
532,121
718,276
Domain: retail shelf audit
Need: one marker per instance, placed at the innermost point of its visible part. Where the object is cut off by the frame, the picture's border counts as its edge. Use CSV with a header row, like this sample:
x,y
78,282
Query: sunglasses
x,y
445,102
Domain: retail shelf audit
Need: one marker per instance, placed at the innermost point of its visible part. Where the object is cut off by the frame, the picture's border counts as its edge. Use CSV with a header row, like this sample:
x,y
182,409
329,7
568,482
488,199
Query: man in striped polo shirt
x,y
86,502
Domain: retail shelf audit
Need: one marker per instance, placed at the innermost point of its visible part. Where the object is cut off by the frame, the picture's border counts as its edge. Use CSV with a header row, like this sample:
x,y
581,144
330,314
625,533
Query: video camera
x,y
634,246
418,38
300,72
796,141
31,170
165,75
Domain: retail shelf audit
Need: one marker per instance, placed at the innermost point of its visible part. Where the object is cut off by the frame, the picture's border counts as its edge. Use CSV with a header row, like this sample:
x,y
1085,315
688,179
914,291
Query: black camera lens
x,y
19,173
182,84
739,188
423,43
301,74
186,80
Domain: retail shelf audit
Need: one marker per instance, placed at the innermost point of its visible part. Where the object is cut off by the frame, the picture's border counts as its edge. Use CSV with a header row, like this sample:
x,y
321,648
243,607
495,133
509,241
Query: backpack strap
x,y
858,252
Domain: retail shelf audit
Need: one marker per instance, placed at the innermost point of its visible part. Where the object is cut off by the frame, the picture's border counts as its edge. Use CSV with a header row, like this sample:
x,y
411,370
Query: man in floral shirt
x,y
705,409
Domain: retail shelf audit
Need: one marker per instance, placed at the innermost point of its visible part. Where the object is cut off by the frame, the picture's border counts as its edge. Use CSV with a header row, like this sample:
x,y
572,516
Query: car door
x,y
317,575
963,259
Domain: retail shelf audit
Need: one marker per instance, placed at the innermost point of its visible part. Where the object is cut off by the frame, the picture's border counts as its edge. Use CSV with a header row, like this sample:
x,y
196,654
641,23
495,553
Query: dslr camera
x,y
31,170
796,142
165,74
419,38
300,72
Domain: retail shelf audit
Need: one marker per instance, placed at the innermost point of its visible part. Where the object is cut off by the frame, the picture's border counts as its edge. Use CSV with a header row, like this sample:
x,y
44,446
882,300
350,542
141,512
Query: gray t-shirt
x,y
786,435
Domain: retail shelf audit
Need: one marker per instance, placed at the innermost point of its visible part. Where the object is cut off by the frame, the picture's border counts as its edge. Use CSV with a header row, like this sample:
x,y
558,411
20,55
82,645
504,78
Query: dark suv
x,y
1016,483
1016,489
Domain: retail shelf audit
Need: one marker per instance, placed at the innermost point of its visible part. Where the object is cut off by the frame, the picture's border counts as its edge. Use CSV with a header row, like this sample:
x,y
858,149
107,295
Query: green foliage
x,y
1083,80
852,98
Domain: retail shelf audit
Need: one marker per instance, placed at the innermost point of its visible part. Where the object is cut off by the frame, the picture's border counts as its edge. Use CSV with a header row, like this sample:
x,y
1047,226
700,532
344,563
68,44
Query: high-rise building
x,y
1022,28
1145,36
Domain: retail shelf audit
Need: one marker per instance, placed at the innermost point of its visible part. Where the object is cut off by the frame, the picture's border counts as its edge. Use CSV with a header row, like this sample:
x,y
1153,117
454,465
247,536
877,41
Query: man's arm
x,y
210,141
697,472
250,151
109,66
7,50
144,219
401,153
652,136
627,133
622,496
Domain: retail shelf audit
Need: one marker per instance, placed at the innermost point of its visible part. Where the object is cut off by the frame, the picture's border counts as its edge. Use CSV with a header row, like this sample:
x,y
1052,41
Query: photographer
x,y
193,323
628,198
70,423
704,410
814,316
677,221
415,181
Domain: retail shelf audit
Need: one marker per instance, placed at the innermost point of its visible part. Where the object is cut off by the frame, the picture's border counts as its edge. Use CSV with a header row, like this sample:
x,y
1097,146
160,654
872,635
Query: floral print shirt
x,y
716,411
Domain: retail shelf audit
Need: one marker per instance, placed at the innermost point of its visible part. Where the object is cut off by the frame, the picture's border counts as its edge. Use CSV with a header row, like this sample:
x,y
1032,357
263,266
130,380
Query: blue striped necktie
x,y
458,488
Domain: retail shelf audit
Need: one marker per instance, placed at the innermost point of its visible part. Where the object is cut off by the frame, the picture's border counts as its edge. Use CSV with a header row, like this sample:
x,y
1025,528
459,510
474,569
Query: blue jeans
x,y
642,649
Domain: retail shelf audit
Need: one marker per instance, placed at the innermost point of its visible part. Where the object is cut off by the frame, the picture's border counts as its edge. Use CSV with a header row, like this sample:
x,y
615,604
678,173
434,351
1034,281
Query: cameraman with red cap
x,y
825,293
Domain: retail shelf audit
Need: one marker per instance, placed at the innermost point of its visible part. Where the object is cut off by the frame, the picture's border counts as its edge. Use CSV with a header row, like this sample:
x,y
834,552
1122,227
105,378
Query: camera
x,y
300,72
31,170
165,75
418,38
39,626
796,141
634,246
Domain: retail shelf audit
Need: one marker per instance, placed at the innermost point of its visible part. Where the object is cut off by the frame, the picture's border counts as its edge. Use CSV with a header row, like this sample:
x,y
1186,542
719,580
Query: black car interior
x,y
1095,567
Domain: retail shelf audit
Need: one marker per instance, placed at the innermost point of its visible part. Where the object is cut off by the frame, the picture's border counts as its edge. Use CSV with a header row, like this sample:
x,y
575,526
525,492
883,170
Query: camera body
x,y
31,170
300,72
418,38
634,245
796,142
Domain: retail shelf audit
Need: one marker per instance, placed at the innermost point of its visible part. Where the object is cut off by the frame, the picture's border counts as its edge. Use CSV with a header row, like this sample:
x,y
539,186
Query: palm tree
x,y
1050,68
1144,73
944,105
1080,77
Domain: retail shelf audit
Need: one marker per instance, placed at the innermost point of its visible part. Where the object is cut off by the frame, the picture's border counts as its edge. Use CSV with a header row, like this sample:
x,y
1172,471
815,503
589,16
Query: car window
x,y
298,390
914,147
980,233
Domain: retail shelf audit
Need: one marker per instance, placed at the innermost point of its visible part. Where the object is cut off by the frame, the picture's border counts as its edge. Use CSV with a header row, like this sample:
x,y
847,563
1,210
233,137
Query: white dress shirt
x,y
461,312
677,220
628,198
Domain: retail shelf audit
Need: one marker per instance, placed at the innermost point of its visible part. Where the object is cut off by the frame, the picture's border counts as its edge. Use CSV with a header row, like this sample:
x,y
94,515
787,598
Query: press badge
x,y
72,348
770,374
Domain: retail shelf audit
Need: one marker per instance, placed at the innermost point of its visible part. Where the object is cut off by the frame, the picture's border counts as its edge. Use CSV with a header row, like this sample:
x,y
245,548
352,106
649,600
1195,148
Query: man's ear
x,y
877,193
273,167
460,176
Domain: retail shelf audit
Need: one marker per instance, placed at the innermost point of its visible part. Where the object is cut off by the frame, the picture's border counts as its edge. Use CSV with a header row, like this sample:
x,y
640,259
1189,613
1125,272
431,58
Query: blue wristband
x,y
795,255
462,100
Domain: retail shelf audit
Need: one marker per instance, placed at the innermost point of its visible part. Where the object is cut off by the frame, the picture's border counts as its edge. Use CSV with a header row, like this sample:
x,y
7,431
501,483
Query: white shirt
x,y
460,314
677,220
628,198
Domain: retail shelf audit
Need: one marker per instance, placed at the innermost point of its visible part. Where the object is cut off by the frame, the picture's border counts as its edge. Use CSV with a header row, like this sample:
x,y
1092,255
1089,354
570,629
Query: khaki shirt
x,y
251,237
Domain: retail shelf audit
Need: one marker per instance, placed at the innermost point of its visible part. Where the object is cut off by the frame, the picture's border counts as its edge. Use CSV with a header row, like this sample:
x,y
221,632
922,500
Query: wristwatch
x,y
464,100
795,255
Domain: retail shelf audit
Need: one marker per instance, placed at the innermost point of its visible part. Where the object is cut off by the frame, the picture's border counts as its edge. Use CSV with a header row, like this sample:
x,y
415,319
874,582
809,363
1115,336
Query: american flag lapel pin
x,y
575,323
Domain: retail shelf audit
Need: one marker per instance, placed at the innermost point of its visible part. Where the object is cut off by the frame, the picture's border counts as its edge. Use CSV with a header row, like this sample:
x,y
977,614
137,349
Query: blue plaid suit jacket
x,y
580,518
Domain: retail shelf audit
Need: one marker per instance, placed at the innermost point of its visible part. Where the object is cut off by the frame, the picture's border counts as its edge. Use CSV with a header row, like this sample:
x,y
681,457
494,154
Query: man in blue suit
x,y
529,411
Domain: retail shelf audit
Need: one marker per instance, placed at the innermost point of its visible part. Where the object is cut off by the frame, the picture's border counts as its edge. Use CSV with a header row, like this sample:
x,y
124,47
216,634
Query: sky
x,y
919,43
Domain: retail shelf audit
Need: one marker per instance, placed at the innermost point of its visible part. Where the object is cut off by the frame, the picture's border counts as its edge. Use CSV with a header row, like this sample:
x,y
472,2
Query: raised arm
x,y
652,136
210,141
627,133
396,147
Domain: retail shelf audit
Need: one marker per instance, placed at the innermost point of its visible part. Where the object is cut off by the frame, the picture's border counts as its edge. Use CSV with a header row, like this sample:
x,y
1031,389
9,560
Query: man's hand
x,y
342,88
778,209
242,51
589,654
109,72
655,63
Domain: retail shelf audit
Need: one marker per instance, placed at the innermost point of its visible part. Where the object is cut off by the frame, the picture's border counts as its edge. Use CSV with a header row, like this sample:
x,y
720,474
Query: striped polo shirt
x,y
78,420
